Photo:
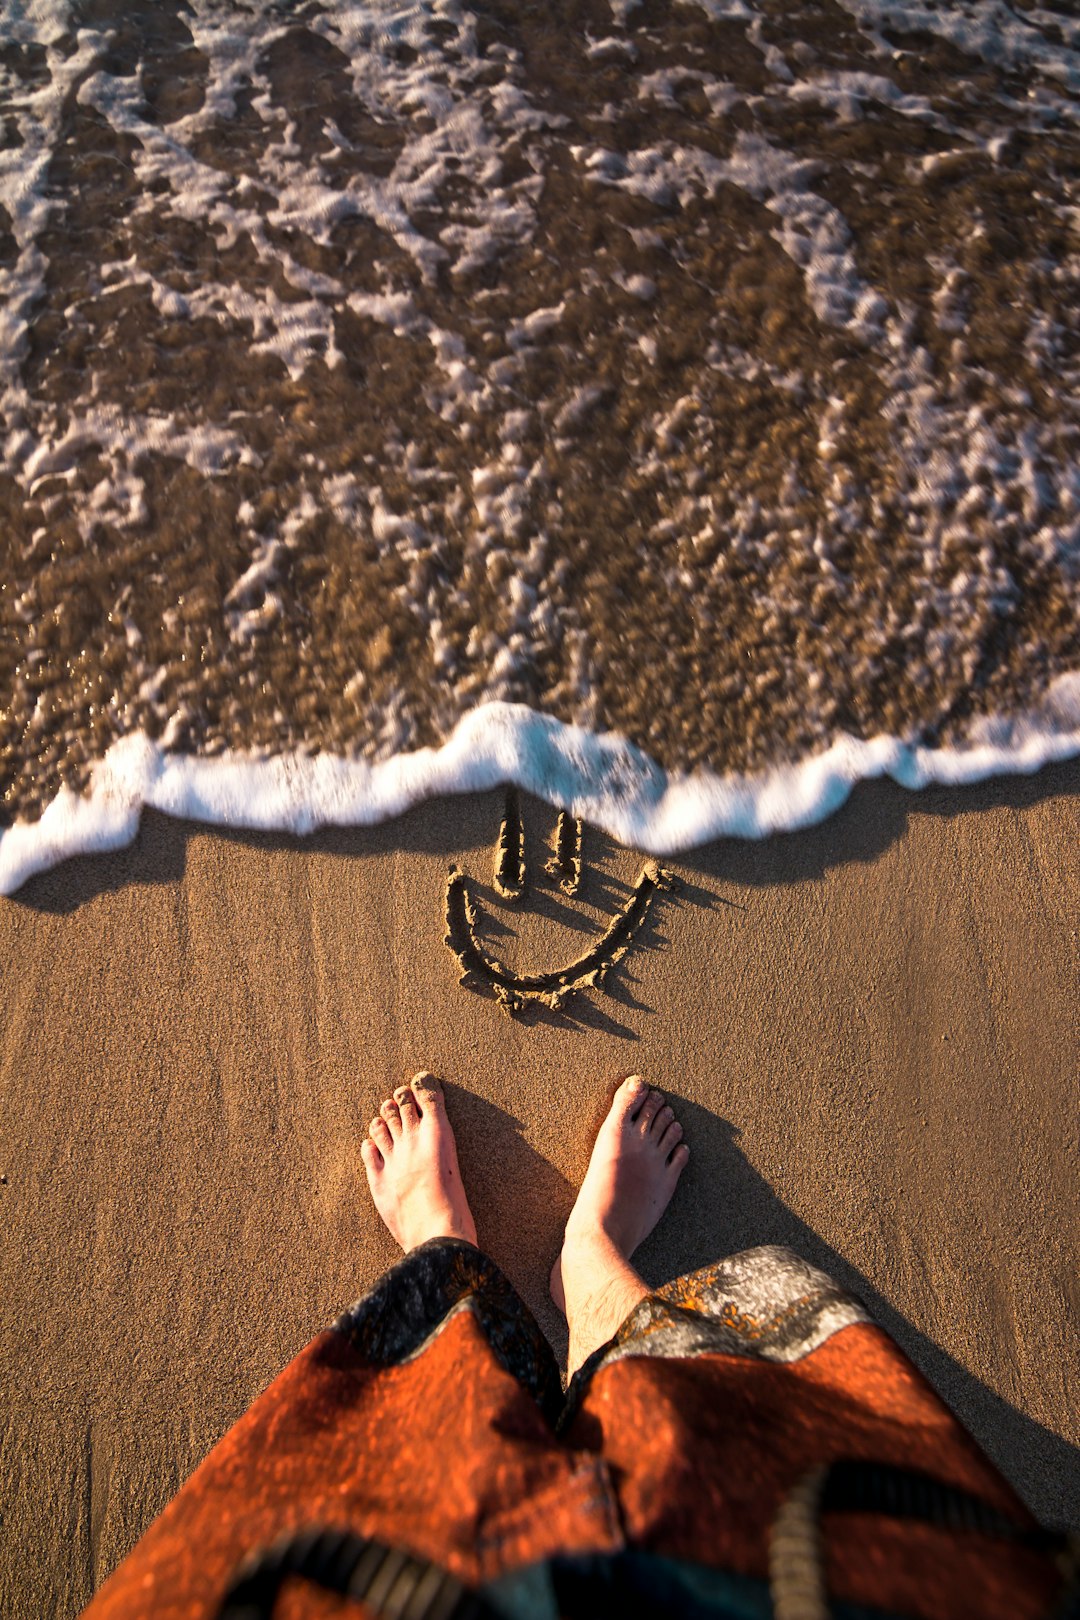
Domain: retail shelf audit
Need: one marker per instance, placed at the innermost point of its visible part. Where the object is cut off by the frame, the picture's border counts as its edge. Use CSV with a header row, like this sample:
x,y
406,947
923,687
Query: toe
x,y
428,1092
392,1115
671,1137
680,1159
410,1113
663,1118
649,1110
373,1159
629,1098
379,1132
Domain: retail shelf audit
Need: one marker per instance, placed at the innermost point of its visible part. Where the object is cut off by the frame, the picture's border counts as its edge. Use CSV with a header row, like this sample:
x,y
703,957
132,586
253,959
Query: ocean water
x,y
670,405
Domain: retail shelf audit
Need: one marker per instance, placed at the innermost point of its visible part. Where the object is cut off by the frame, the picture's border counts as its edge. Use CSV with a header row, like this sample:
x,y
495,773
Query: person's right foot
x,y
412,1168
636,1162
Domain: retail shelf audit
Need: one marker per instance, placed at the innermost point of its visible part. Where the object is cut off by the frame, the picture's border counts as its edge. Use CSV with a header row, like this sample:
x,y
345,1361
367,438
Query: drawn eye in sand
x,y
552,987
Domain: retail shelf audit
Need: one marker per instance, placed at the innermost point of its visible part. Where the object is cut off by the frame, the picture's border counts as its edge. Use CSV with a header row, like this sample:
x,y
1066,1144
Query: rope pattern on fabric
x,y
390,1584
796,1572
796,1563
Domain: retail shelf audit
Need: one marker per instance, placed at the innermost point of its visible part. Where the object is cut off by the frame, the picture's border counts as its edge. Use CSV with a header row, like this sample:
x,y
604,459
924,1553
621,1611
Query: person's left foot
x,y
636,1161
412,1169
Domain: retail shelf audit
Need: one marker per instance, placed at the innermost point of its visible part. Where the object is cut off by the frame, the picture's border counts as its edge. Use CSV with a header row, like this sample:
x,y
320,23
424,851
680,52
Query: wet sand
x,y
869,1029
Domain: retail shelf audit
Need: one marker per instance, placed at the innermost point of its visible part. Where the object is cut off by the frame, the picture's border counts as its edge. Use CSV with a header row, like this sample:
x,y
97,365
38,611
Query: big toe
x,y
428,1091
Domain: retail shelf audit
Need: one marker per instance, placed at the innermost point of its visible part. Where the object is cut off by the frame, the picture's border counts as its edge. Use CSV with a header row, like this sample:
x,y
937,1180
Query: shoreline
x,y
598,777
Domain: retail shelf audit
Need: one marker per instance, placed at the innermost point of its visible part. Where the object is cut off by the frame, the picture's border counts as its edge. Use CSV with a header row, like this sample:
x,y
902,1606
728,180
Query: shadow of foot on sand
x,y
728,1206
519,1200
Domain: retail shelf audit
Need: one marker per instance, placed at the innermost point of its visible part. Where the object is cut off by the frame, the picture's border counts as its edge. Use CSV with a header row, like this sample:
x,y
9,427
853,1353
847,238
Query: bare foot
x,y
636,1162
412,1167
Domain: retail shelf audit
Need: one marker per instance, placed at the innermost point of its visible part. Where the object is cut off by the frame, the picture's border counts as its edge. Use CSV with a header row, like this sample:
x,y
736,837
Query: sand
x,y
869,1030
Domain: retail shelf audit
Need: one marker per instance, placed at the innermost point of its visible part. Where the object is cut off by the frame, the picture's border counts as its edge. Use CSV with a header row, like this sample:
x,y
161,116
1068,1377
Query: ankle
x,y
595,1318
436,1230
600,1289
589,1242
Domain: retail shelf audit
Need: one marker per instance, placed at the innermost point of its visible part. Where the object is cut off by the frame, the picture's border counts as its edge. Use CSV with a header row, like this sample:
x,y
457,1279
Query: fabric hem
x,y
766,1303
413,1301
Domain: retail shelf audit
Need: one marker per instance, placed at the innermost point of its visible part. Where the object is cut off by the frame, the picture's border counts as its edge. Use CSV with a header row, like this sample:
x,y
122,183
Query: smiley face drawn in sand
x,y
551,988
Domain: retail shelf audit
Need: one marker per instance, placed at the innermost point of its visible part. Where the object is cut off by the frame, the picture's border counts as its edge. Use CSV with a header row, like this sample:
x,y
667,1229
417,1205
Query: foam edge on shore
x,y
599,777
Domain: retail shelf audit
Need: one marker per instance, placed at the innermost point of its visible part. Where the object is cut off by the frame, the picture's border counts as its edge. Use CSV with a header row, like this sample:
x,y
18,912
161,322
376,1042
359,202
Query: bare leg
x,y
638,1158
412,1169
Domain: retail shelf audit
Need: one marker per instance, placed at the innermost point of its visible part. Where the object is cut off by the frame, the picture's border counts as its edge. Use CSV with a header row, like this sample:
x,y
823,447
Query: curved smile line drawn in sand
x,y
588,971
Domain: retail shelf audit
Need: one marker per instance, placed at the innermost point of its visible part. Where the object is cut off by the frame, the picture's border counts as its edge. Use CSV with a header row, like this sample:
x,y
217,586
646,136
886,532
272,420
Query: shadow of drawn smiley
x,y
481,970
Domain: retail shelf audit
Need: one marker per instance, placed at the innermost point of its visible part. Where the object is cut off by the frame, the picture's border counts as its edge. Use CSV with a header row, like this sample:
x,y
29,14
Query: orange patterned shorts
x,y
749,1442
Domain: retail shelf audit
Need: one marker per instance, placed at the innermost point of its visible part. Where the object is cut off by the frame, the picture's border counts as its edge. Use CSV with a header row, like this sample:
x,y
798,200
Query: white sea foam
x,y
601,778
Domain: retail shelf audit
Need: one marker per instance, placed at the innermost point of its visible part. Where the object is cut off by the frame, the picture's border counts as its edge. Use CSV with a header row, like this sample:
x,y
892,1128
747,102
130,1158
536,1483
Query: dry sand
x,y
870,1030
